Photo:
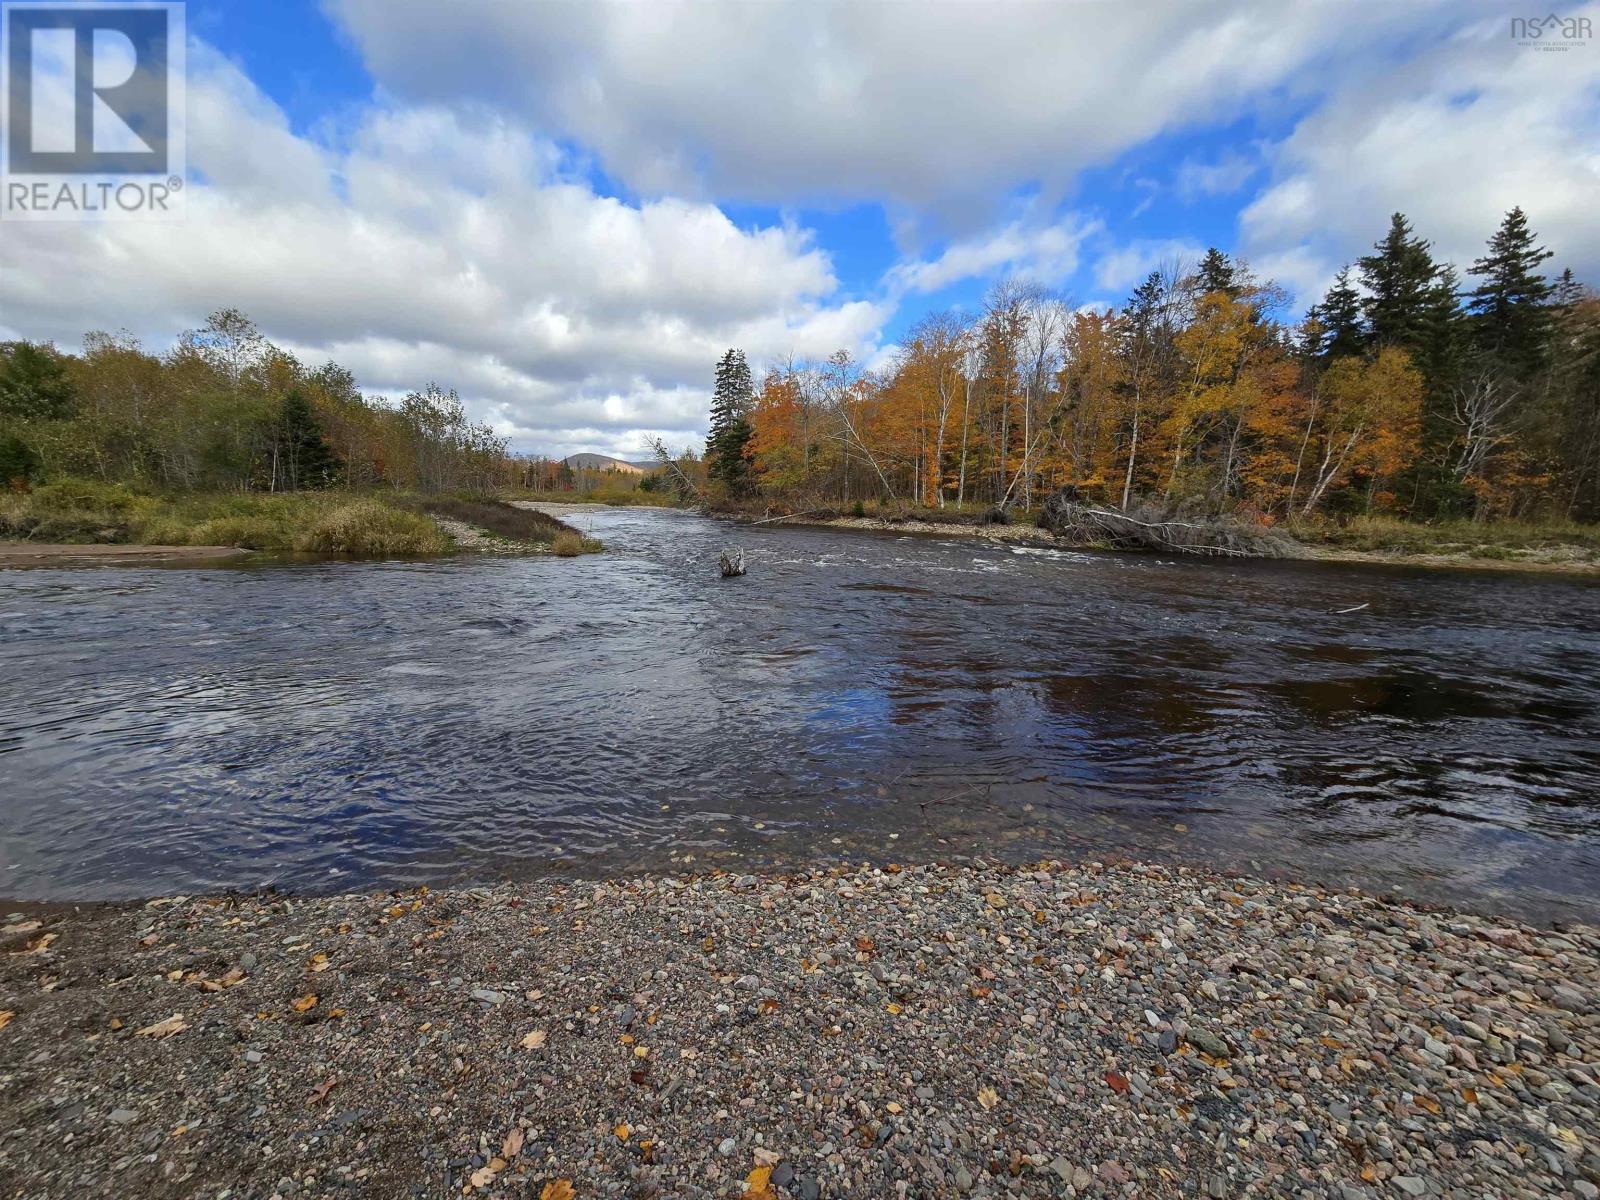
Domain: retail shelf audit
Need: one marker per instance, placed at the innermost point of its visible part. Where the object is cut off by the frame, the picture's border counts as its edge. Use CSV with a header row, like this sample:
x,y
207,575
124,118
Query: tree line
x,y
1405,390
226,410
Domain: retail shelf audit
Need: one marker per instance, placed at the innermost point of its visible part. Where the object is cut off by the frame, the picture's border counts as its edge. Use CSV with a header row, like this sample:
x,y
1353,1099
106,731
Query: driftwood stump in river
x,y
731,562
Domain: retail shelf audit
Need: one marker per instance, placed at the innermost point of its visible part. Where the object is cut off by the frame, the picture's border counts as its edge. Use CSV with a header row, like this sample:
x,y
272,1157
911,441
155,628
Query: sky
x,y
567,211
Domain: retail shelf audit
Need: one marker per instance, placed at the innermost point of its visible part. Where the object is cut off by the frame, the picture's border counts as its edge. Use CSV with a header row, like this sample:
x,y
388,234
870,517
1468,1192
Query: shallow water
x,y
335,725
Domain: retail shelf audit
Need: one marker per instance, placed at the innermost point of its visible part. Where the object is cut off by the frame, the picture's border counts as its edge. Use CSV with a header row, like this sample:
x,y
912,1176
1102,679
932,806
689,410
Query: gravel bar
x,y
938,1030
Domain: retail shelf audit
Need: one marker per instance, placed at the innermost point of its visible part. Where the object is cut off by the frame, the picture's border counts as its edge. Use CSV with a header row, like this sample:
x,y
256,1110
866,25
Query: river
x,y
333,725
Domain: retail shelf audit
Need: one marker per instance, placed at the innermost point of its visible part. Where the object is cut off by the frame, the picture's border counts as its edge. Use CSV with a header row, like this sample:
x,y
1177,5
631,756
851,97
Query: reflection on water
x,y
354,724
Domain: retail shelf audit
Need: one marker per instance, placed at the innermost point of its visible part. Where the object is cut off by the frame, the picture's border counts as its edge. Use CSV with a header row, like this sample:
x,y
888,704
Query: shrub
x,y
570,543
367,527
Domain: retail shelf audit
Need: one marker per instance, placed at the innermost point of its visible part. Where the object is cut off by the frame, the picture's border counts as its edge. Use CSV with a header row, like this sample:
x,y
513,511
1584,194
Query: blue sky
x,y
567,210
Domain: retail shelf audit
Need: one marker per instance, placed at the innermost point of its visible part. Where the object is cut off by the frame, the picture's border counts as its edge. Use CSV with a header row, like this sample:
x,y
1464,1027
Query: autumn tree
x,y
1367,419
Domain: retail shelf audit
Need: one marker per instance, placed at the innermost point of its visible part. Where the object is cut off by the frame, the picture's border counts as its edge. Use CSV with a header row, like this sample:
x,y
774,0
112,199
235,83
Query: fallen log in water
x,y
1148,527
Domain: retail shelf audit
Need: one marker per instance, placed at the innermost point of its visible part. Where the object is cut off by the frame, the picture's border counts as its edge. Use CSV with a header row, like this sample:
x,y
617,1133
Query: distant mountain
x,y
604,462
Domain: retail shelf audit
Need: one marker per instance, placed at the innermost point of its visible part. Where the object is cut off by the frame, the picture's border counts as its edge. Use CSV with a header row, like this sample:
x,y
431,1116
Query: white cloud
x,y
1044,253
1471,127
442,244
1121,268
949,104
1220,178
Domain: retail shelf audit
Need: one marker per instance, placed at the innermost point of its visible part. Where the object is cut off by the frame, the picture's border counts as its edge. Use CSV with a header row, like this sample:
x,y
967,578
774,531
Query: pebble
x,y
906,1031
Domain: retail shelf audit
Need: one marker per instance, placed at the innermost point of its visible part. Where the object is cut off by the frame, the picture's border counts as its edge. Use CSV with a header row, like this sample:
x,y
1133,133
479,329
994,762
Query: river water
x,y
335,725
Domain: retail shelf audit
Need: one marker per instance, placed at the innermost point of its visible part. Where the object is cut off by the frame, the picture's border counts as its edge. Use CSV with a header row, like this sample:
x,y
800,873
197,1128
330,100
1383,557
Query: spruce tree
x,y
307,460
726,461
1510,316
1344,333
1399,279
1217,274
1567,290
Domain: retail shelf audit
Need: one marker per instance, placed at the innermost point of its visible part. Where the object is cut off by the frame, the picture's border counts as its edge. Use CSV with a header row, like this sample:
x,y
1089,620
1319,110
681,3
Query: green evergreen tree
x,y
1217,274
1567,290
1510,314
33,382
19,465
727,458
1399,280
1344,332
305,459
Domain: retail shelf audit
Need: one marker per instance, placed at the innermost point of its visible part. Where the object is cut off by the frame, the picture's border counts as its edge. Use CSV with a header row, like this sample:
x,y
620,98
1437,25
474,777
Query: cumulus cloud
x,y
445,244
1043,253
1122,267
1473,126
926,107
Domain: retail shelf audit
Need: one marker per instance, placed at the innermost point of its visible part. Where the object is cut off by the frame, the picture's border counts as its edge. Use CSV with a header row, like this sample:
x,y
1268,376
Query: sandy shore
x,y
29,554
926,1031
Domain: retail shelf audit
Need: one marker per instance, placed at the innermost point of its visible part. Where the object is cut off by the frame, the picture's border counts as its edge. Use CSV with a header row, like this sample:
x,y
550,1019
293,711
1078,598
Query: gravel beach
x,y
920,1031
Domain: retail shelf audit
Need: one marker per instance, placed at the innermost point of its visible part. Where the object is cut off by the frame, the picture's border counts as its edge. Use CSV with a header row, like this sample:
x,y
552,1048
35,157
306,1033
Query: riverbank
x,y
75,520
1511,548
32,554
931,1030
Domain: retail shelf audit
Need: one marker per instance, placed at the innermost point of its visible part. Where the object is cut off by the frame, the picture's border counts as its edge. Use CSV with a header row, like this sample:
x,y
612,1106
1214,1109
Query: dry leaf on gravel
x,y
303,1003
484,1175
534,1040
22,927
39,944
5,1017
988,1097
1116,1082
512,1146
173,1024
557,1189
758,1184
320,1092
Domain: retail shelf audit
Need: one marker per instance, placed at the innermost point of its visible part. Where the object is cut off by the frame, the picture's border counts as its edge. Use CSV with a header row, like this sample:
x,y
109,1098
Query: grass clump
x,y
570,543
76,511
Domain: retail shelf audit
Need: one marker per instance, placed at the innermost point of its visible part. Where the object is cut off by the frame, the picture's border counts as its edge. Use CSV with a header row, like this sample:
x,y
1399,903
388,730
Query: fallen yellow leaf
x,y
622,1132
988,1098
641,1052
303,1003
757,1184
557,1189
534,1040
173,1024
5,1017
512,1146
39,944
895,1010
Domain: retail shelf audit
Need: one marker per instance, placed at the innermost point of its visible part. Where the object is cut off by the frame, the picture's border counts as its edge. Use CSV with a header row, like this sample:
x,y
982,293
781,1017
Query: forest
x,y
1408,390
227,411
